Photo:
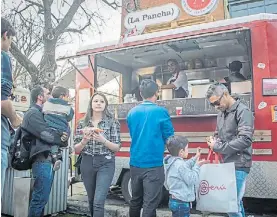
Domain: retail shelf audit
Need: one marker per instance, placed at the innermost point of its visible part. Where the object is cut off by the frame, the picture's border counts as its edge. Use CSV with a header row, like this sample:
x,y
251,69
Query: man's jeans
x,y
147,186
43,175
241,181
5,143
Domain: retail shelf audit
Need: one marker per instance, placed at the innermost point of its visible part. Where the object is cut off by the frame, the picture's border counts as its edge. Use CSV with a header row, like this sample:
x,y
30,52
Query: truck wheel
x,y
126,189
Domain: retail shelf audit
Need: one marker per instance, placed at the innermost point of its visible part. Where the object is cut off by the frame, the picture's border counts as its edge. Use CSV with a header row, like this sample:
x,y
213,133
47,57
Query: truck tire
x,y
126,189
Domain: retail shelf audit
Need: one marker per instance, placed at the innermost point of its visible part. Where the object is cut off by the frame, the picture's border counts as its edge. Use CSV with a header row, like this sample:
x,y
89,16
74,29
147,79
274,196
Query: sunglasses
x,y
217,102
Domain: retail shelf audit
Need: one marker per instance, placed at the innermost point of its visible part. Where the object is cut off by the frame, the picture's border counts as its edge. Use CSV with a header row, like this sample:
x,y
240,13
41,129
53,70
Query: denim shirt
x,y
6,76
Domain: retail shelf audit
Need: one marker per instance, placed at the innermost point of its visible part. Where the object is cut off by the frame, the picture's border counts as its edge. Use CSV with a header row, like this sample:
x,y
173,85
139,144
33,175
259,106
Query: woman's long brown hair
x,y
89,113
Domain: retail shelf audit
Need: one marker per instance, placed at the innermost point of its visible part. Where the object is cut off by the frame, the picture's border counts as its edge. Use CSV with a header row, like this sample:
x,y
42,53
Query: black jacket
x,y
40,135
235,130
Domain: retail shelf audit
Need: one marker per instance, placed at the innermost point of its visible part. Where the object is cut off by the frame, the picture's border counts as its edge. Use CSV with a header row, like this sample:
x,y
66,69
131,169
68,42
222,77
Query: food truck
x,y
204,52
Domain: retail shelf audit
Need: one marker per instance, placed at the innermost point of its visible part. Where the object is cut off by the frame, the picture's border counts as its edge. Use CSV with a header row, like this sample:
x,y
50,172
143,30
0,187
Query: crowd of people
x,y
97,139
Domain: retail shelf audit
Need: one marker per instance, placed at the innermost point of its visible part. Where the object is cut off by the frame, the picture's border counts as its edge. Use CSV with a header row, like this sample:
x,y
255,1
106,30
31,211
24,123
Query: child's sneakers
x,y
57,161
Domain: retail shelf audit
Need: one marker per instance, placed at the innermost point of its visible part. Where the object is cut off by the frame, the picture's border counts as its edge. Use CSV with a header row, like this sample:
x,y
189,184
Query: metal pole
x,y
89,81
22,196
94,72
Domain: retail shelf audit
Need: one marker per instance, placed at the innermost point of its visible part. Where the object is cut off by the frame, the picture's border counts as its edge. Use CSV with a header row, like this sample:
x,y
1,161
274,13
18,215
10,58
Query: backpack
x,y
20,152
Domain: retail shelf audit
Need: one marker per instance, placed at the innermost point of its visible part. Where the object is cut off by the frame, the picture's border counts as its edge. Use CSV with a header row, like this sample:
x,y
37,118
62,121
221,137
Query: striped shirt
x,y
111,132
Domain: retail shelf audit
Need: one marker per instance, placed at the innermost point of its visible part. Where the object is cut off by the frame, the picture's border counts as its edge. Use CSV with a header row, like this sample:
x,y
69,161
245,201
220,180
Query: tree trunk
x,y
48,63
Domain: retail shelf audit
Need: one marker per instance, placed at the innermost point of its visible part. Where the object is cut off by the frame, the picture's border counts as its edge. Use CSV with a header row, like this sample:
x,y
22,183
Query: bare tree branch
x,y
68,17
78,30
57,20
24,61
20,11
115,5
34,3
41,29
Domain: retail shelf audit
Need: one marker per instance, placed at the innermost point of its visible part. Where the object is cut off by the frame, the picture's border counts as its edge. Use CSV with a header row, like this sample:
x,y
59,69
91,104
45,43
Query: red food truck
x,y
204,52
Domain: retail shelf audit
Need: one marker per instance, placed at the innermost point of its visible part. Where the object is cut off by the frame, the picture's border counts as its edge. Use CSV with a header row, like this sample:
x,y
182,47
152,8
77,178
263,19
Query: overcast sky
x,y
109,32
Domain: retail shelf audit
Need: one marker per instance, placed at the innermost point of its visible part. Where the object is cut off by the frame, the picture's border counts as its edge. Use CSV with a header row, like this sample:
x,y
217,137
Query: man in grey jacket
x,y
233,136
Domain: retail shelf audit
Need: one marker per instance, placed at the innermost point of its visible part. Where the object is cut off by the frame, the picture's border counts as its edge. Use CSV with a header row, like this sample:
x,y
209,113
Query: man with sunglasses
x,y
233,136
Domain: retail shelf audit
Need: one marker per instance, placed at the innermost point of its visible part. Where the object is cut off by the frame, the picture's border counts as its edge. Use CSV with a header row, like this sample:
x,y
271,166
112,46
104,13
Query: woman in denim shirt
x,y
97,149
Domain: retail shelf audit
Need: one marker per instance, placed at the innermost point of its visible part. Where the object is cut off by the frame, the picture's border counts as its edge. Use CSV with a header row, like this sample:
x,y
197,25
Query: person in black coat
x,y
41,138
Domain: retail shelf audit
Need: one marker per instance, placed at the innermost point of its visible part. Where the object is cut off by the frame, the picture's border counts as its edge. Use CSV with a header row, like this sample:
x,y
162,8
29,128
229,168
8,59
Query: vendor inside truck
x,y
179,80
235,74
184,68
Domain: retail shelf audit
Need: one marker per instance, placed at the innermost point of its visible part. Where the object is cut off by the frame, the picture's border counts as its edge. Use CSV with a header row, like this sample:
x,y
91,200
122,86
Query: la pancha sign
x,y
151,16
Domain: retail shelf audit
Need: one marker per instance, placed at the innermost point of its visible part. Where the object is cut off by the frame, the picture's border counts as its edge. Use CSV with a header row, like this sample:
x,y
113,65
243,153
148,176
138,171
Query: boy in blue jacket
x,y
57,113
181,175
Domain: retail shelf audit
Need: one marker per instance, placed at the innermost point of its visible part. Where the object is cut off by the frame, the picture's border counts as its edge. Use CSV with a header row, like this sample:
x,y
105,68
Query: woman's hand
x,y
98,137
87,135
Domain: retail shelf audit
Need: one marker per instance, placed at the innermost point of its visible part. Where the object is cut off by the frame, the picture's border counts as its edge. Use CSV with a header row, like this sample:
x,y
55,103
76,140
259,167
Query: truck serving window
x,y
218,57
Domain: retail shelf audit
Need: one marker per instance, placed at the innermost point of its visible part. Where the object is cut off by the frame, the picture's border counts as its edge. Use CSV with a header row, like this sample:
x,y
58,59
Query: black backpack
x,y
20,152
